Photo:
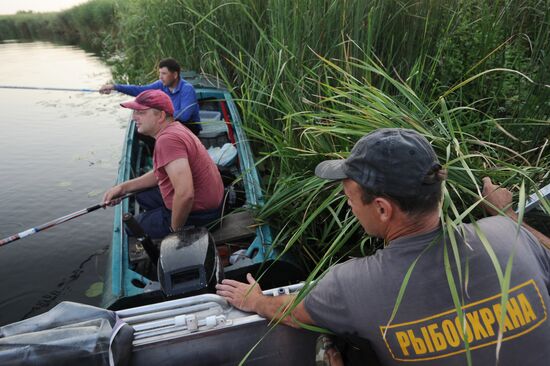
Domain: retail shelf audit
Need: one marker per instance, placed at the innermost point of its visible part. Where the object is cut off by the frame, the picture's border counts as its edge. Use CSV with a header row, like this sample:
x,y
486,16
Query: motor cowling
x,y
189,263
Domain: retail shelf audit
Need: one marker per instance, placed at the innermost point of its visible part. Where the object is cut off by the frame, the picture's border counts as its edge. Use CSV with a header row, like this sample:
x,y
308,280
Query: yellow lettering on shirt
x,y
526,309
445,334
498,313
479,331
404,342
451,335
515,313
488,320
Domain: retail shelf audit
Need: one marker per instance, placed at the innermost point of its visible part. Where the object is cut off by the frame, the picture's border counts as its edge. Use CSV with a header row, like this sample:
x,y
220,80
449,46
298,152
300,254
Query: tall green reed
x,y
88,24
312,77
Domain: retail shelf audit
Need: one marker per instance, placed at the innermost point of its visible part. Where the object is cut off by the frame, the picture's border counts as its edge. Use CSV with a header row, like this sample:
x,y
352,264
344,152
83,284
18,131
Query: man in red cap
x,y
185,185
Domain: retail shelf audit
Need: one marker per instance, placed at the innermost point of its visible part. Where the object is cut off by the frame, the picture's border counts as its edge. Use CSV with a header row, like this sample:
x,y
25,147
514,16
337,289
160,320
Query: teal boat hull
x,y
124,286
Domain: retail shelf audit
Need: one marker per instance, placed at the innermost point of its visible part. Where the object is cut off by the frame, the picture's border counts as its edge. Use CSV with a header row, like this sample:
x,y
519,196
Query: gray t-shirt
x,y
357,297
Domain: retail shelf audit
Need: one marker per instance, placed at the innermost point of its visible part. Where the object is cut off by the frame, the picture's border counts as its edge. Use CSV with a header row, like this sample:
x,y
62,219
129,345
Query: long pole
x,y
46,88
57,221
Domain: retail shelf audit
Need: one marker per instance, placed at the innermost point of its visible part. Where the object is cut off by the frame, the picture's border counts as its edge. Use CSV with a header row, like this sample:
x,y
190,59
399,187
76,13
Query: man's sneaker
x,y
324,345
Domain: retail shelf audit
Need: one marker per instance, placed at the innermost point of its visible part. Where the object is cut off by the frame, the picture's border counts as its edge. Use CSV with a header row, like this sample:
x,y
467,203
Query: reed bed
x,y
312,77
90,25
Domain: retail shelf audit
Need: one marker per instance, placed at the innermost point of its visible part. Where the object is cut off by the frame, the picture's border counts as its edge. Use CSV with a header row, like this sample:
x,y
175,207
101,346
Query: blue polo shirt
x,y
184,98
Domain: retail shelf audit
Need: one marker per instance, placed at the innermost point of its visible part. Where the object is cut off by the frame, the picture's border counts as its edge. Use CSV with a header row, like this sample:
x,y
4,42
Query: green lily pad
x,y
95,192
64,184
95,289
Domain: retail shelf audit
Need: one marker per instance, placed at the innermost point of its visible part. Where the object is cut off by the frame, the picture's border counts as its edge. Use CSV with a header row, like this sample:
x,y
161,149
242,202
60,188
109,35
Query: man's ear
x,y
384,208
163,115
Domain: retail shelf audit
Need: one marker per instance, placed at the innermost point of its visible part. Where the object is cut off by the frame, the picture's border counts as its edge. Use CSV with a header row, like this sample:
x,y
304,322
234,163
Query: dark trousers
x,y
156,219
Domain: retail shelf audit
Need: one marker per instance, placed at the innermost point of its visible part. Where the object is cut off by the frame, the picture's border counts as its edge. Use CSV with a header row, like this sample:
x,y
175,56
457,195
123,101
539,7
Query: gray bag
x,y
68,334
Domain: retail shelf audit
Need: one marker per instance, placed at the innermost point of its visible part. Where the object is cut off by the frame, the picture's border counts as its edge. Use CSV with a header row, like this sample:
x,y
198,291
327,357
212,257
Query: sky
x,y
13,6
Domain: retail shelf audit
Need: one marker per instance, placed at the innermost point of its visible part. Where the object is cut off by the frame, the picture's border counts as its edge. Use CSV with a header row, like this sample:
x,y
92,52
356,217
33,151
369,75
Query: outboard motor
x,y
189,263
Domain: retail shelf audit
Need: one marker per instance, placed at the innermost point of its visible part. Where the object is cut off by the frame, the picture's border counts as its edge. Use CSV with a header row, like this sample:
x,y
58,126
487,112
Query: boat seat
x,y
212,124
210,115
214,129
234,227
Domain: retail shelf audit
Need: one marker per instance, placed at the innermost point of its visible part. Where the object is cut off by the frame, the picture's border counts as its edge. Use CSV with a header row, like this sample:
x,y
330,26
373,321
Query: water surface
x,y
59,152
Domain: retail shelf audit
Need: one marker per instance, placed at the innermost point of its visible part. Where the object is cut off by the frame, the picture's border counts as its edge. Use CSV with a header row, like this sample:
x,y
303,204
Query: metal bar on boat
x,y
159,315
177,322
181,328
195,300
182,317
284,290
174,305
533,200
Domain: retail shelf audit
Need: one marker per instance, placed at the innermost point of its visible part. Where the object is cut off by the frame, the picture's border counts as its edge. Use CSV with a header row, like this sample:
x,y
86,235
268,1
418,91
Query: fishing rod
x,y
60,220
47,88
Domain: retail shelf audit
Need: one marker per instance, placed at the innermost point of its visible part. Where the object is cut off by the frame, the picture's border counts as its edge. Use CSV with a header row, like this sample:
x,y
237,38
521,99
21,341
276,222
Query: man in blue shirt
x,y
181,93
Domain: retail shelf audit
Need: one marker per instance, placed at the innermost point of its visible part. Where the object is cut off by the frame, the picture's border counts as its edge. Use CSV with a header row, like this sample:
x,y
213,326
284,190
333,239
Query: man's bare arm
x,y
249,297
179,173
147,180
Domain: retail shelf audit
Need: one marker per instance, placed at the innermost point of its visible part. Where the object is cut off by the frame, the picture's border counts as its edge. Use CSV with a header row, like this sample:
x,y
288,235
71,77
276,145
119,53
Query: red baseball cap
x,y
156,99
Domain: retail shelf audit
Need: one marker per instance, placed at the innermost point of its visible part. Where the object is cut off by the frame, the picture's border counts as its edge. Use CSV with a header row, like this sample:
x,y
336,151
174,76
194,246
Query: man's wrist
x,y
122,187
174,229
512,214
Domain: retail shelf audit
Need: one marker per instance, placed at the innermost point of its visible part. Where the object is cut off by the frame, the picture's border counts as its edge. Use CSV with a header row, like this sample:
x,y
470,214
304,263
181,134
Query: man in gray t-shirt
x,y
393,183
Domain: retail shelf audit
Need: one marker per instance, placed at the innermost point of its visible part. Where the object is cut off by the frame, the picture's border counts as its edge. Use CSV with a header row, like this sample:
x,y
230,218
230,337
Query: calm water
x,y
59,151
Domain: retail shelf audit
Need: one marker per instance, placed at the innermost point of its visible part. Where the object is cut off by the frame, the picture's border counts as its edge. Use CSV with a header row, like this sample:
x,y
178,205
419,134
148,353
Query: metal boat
x,y
132,279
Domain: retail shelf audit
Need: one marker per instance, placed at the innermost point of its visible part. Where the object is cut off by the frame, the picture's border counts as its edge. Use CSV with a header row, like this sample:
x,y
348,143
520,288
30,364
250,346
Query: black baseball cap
x,y
393,161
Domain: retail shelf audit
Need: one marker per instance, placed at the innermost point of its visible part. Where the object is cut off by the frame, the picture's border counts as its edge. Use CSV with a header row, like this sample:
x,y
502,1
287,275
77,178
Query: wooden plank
x,y
234,227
